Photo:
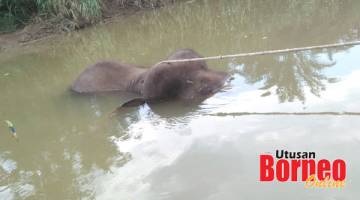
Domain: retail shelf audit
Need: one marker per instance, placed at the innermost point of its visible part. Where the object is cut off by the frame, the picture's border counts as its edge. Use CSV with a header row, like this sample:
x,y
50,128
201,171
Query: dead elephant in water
x,y
190,81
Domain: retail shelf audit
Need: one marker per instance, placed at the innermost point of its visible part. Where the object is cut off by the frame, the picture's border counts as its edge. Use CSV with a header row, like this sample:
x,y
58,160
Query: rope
x,y
265,52
286,113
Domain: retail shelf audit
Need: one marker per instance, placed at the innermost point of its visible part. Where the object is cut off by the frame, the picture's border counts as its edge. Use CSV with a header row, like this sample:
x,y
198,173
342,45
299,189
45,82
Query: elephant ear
x,y
128,104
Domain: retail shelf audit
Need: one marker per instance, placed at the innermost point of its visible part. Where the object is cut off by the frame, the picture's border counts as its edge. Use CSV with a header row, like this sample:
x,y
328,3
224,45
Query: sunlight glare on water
x,y
69,148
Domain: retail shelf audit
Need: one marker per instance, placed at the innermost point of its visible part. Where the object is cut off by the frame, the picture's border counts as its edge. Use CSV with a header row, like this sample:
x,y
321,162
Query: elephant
x,y
188,81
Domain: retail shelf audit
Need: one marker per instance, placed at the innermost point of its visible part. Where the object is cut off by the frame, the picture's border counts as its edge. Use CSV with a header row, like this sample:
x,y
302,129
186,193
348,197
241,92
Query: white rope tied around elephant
x,y
265,52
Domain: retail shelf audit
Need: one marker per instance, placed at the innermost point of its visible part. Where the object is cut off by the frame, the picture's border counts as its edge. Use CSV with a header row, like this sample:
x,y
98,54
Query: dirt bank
x,y
39,29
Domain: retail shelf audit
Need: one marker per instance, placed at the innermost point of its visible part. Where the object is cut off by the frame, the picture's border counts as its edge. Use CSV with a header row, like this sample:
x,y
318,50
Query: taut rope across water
x,y
265,52
234,114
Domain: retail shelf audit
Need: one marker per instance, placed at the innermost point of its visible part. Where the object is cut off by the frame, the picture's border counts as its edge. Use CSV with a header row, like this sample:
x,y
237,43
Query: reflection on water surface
x,y
69,148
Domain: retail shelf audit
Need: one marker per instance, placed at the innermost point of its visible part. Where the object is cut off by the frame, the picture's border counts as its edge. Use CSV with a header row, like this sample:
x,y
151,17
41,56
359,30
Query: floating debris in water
x,y
191,1
6,74
12,128
266,94
333,80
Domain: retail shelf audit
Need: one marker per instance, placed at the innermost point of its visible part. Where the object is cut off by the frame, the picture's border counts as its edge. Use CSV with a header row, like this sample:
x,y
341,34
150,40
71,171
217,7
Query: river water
x,y
69,148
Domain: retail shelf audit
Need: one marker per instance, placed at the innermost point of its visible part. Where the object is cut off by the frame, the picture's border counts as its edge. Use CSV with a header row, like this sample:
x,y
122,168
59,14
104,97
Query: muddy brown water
x,y
69,148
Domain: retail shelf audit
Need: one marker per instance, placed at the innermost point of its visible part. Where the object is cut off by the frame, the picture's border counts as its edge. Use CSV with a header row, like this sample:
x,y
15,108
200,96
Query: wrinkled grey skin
x,y
188,81
109,76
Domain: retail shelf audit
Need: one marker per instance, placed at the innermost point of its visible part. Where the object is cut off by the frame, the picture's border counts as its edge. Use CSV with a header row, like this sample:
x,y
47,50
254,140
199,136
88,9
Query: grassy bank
x,y
65,14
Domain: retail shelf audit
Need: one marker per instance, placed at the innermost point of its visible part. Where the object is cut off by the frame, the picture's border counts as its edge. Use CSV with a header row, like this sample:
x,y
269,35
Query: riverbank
x,y
40,26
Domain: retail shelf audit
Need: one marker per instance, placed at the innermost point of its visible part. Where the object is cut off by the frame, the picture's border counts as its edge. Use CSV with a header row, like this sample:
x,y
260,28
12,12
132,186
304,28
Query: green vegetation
x,y
69,14
74,14
14,13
